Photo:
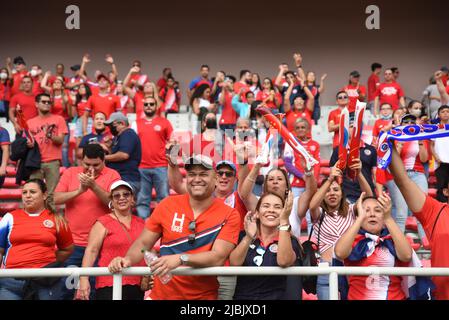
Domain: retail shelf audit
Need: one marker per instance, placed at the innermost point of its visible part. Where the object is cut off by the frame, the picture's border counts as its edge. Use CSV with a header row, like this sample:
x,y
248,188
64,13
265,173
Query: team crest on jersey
x,y
157,128
312,148
177,223
273,248
48,224
367,152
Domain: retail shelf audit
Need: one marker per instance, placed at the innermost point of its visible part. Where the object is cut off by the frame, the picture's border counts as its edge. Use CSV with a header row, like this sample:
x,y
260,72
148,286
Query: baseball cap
x,y
102,75
116,116
75,67
19,60
355,74
444,69
226,163
120,183
199,159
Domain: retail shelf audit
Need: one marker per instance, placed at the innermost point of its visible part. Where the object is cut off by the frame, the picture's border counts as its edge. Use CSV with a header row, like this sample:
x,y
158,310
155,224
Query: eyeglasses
x,y
259,258
149,104
228,174
192,236
45,101
342,97
125,195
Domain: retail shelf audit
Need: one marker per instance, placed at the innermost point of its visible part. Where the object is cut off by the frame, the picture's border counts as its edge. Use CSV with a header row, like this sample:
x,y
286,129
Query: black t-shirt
x,y
368,156
267,287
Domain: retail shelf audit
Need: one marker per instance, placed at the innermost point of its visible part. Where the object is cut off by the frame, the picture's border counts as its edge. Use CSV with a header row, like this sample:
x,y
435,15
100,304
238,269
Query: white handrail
x,y
333,273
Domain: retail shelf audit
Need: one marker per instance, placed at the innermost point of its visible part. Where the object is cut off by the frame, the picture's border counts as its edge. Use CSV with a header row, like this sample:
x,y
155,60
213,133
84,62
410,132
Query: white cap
x,y
120,183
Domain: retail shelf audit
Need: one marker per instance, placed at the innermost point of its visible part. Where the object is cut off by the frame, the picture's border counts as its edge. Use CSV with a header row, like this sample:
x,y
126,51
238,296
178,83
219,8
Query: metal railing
x,y
333,273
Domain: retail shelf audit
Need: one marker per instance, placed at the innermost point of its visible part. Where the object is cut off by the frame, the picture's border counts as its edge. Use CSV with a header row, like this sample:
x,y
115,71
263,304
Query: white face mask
x,y
33,73
3,75
416,112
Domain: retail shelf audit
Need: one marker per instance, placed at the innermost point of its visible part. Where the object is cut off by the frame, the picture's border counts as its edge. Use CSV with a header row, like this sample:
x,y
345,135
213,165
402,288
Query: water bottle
x,y
149,257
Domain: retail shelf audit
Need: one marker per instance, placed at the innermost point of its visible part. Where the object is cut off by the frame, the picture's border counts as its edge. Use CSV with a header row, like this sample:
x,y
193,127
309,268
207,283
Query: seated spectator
x,y
4,153
332,215
33,237
112,235
267,241
374,239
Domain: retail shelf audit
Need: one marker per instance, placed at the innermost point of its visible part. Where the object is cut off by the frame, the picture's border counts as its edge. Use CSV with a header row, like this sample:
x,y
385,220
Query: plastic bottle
x,y
149,257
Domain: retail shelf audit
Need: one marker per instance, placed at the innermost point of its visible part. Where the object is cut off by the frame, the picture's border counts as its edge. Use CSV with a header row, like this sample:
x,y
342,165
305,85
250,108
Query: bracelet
x,y
308,173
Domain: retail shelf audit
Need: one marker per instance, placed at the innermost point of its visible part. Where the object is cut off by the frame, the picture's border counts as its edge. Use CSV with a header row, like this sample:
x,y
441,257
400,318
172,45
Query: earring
x,y
110,205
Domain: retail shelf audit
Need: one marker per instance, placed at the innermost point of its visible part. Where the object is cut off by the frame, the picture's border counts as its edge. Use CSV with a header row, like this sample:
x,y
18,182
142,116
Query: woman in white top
x,y
332,215
200,102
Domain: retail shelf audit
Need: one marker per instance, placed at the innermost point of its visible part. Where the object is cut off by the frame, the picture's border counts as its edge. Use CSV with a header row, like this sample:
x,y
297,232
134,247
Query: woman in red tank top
x,y
111,236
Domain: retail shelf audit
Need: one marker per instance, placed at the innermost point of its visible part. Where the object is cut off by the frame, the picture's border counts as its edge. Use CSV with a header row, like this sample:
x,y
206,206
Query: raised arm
x,y
44,82
306,196
441,89
246,188
84,62
110,60
298,62
310,99
287,104
321,88
286,256
414,197
278,80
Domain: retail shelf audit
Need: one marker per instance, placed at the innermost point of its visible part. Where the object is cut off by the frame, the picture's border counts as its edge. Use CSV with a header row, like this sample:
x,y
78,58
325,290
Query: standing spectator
x,y
170,95
136,76
219,81
48,131
310,83
256,86
126,103
395,71
153,166
4,153
389,92
33,237
244,83
228,114
300,108
98,135
18,73
59,74
84,191
373,83
332,215
385,123
25,100
433,97
125,153
188,238
269,96
355,90
37,76
5,92
440,152
82,96
243,109
209,141
433,215
444,92
200,102
202,79
112,235
162,82
267,241
333,122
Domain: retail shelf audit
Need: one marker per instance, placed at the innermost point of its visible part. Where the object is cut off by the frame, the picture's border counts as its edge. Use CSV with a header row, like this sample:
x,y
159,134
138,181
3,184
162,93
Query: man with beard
x,y
125,153
84,191
153,167
196,230
48,131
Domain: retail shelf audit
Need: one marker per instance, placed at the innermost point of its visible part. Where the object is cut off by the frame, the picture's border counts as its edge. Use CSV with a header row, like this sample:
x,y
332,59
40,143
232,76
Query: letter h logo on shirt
x,y
177,223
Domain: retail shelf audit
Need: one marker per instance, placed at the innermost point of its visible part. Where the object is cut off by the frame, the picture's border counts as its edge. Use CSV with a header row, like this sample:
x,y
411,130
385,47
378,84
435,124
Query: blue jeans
x,y
156,178
322,285
398,200
76,260
12,289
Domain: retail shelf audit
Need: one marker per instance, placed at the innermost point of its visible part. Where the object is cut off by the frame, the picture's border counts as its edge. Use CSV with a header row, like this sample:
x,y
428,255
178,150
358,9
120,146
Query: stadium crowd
x,y
220,198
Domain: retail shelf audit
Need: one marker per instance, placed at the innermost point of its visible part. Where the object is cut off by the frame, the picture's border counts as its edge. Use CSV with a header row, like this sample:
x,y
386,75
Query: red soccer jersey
x,y
379,125
435,221
5,91
313,148
228,116
170,98
81,108
334,115
238,86
262,95
58,108
373,80
234,201
157,132
171,219
291,117
103,103
161,83
17,81
30,241
26,103
354,93
389,93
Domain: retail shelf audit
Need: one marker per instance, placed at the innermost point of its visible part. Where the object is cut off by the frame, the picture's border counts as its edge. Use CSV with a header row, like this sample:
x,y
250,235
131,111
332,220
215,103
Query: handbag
x,y
309,258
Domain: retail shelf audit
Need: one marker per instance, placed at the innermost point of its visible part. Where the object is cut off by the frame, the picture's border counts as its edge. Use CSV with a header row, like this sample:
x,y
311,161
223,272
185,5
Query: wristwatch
x,y
184,259
285,227
308,173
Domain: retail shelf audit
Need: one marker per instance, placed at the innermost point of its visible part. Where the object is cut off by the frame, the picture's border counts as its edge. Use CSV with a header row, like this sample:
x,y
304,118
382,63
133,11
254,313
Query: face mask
x,y
211,123
387,117
3,75
114,130
416,112
100,131
33,73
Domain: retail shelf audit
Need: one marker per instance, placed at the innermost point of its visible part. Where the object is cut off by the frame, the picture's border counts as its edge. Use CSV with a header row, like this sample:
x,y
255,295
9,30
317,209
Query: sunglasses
x,y
192,236
342,97
228,174
125,195
259,258
45,102
149,104
408,122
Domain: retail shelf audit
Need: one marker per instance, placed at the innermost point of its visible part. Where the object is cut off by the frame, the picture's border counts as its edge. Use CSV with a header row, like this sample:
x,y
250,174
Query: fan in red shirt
x,y
385,123
243,85
26,101
196,230
18,73
228,115
389,92
62,103
5,87
302,107
373,82
268,95
170,95
355,90
162,82
333,122
206,143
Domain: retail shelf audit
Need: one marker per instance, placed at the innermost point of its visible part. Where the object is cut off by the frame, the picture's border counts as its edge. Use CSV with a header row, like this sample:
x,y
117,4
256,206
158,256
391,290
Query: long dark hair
x,y
343,208
271,83
258,84
199,91
79,97
287,182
